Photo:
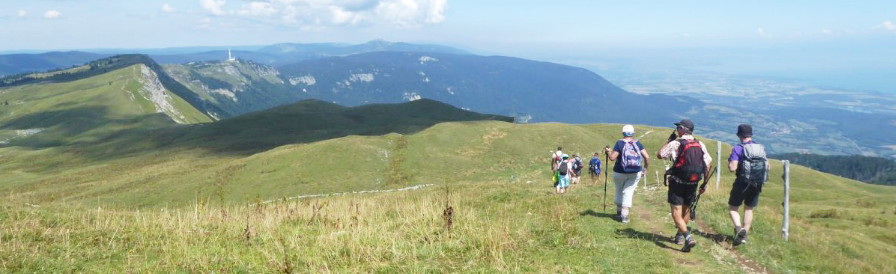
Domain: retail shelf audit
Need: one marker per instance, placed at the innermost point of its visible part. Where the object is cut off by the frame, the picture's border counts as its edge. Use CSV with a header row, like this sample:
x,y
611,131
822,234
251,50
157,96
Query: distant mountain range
x,y
273,55
12,64
529,91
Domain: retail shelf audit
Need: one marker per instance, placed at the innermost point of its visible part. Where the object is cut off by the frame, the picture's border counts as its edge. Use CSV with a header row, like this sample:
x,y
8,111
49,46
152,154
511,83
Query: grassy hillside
x,y
183,209
88,110
95,180
872,170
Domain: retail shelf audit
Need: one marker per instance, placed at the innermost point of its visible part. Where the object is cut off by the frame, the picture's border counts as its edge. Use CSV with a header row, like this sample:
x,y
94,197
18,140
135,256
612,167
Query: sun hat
x,y
628,131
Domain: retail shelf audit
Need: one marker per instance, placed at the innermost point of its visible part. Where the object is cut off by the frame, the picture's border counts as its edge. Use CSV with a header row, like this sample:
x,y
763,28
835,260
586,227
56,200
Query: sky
x,y
856,33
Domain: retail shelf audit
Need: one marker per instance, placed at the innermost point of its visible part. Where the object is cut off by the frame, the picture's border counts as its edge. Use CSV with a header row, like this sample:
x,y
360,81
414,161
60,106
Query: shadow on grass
x,y
657,239
715,237
95,137
591,212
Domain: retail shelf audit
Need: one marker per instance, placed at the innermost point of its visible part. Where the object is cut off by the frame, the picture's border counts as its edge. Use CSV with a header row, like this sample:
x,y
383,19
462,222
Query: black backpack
x,y
563,168
753,168
689,166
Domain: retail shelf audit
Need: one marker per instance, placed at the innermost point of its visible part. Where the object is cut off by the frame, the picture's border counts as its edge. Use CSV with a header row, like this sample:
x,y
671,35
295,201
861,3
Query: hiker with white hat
x,y
633,162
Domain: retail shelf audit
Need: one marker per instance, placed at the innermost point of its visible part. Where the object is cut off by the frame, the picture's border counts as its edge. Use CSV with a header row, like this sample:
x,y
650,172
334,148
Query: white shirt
x,y
671,150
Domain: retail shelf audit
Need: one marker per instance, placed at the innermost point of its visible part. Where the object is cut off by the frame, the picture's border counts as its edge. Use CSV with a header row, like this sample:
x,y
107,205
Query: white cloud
x,y
320,14
167,8
887,25
21,13
216,7
761,32
827,32
256,8
52,14
412,12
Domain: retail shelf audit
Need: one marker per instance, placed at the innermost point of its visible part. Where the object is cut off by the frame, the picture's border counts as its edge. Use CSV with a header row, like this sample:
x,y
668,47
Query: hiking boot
x,y
741,236
689,243
625,219
679,238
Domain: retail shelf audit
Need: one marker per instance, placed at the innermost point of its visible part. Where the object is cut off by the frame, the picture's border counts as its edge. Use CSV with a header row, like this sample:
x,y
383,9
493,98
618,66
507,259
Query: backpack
x,y
577,165
753,168
631,157
689,166
563,168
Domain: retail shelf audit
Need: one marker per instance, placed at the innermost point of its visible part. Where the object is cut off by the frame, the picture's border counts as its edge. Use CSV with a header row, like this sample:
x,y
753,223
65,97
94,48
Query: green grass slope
x,y
185,209
313,120
86,110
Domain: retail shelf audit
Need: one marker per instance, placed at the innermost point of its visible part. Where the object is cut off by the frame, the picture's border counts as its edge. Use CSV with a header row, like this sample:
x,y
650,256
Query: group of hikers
x,y
690,165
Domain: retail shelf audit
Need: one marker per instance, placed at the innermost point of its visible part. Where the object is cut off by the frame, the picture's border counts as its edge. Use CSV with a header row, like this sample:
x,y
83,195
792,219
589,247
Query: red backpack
x,y
689,167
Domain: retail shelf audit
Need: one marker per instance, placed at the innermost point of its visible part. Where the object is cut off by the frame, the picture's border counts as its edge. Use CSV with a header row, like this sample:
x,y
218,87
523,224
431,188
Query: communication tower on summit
x,y
230,57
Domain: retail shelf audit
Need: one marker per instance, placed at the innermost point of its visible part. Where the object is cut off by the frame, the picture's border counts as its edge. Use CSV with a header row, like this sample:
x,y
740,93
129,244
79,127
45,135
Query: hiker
x,y
577,167
556,157
628,170
566,171
555,162
750,166
594,167
691,162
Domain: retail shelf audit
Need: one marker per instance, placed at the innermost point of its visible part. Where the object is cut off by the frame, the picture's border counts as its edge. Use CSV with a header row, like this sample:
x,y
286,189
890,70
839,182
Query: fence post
x,y
785,227
719,163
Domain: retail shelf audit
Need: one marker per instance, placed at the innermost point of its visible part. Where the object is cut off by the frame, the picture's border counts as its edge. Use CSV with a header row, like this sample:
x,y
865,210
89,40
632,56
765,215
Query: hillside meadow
x,y
192,209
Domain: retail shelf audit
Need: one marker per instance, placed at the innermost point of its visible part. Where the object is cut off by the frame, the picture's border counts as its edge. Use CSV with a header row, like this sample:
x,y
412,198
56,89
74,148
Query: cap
x,y
744,130
565,156
628,130
687,123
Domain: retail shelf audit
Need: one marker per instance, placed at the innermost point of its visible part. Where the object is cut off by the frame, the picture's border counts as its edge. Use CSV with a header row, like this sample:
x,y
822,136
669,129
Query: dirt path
x,y
725,241
721,248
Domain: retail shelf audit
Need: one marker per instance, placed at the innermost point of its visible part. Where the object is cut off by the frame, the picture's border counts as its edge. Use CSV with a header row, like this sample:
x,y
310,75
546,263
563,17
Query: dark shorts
x,y
682,194
743,193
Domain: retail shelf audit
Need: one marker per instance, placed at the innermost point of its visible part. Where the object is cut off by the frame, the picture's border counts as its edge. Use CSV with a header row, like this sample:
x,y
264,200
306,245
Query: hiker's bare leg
x,y
678,218
748,217
735,216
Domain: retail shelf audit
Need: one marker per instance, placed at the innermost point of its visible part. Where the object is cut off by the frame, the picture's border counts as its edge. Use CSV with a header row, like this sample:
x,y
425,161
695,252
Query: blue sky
x,y
799,37
519,27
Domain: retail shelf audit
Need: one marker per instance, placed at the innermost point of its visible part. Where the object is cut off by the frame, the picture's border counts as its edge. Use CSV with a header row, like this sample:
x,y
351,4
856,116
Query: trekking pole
x,y
700,193
606,174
